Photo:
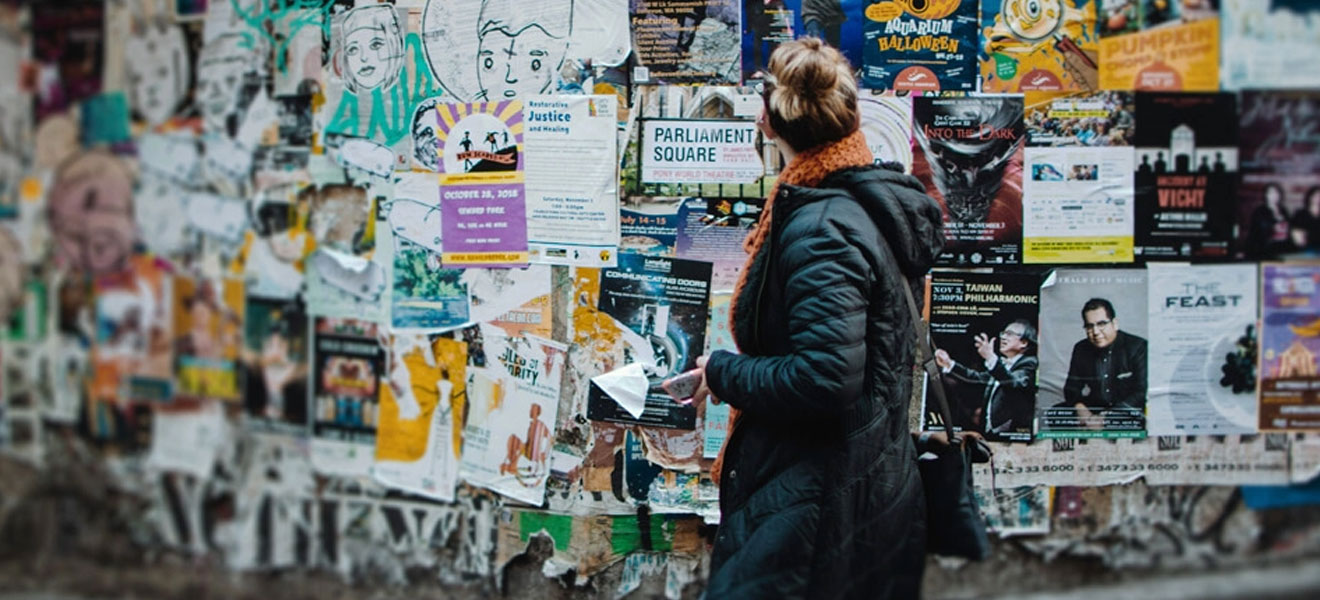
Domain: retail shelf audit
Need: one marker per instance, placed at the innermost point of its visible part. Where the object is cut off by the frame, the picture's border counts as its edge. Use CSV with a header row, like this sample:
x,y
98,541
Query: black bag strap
x,y
934,377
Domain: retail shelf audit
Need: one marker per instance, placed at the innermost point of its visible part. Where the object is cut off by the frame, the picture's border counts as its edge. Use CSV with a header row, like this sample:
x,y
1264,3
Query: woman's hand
x,y
703,390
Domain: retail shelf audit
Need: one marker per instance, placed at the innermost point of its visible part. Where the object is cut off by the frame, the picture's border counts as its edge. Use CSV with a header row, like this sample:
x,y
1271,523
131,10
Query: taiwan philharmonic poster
x,y
984,327
1187,174
1093,331
1278,203
920,46
1202,364
1289,344
482,204
664,302
968,154
1039,45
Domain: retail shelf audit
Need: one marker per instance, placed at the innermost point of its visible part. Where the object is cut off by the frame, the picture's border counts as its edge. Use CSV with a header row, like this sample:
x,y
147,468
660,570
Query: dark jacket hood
x,y
910,221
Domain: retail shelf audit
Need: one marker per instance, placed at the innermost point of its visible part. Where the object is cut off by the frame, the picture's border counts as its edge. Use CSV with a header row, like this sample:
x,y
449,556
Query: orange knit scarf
x,y
808,169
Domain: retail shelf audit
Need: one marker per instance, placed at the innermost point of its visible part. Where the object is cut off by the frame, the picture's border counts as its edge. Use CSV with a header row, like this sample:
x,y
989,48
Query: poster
x,y
1289,342
347,364
1077,205
1186,180
1086,119
482,203
1035,45
572,179
1269,44
509,426
417,442
768,23
887,127
1094,386
1178,57
920,46
984,326
208,329
1202,363
968,154
425,295
68,52
649,224
700,151
132,356
663,302
685,42
1278,203
713,230
275,364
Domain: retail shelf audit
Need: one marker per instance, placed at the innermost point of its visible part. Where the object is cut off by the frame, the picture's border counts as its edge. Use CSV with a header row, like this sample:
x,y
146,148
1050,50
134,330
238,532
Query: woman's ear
x,y
763,123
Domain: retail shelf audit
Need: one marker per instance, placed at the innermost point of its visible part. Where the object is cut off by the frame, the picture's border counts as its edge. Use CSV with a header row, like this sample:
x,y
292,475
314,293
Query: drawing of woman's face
x,y
373,48
157,72
220,72
368,55
525,63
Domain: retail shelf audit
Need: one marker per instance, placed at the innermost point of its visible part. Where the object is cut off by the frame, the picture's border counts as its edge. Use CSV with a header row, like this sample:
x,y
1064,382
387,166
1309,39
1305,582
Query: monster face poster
x,y
968,154
1187,174
1289,344
1039,45
916,45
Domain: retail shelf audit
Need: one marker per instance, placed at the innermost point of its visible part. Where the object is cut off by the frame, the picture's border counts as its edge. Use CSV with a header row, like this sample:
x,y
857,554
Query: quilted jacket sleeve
x,y
826,293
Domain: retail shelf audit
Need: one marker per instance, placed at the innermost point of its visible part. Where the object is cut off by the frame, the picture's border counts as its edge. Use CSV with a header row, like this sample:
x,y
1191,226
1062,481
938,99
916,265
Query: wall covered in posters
x,y
327,277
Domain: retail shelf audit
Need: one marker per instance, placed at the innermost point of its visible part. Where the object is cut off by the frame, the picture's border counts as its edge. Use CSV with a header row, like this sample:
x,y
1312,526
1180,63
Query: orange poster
x,y
1178,58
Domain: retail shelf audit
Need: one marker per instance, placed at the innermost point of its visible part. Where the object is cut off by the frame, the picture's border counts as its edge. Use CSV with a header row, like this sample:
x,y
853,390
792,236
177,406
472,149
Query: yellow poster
x,y
1035,45
1177,58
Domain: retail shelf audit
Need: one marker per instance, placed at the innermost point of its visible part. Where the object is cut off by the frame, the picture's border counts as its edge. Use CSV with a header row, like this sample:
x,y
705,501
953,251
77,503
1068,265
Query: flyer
x,y
913,45
1186,180
275,364
347,363
650,224
768,23
132,356
1278,203
968,154
700,151
666,302
572,179
1289,343
685,42
887,126
1031,45
1269,44
1178,57
208,329
983,325
713,230
510,417
425,296
482,196
1203,363
1077,205
1080,119
417,442
1094,386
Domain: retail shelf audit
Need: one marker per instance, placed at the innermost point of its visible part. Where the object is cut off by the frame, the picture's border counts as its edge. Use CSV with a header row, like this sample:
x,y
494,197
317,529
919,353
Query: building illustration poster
x,y
1289,344
482,196
1039,45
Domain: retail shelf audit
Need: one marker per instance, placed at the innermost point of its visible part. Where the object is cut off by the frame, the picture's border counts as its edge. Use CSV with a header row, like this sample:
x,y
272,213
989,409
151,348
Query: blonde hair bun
x,y
814,92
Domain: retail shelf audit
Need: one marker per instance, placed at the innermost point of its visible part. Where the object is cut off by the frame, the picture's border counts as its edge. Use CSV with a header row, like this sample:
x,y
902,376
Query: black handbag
x,y
954,526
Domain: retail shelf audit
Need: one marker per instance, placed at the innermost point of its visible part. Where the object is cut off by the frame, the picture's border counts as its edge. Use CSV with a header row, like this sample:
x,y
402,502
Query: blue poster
x,y
768,23
917,45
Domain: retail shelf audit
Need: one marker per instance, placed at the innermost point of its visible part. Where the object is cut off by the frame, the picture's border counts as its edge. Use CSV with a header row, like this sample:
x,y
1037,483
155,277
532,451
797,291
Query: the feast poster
x,y
1175,57
1186,175
685,42
1039,45
1093,354
572,179
417,443
1203,363
1278,203
208,329
482,196
768,23
510,418
914,45
1270,44
968,154
662,304
347,367
984,326
1289,344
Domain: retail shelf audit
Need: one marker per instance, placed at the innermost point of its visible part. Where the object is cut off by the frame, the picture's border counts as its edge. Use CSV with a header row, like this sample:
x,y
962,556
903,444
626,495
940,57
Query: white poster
x,y
887,125
512,404
572,179
1269,44
1202,365
415,441
706,151
1077,205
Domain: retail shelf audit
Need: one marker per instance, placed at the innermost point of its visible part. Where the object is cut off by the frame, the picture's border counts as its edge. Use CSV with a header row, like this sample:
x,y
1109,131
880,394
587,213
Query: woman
x,y
819,492
1267,233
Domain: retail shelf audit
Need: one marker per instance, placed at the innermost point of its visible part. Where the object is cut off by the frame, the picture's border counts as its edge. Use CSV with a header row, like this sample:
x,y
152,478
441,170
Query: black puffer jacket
x,y
820,495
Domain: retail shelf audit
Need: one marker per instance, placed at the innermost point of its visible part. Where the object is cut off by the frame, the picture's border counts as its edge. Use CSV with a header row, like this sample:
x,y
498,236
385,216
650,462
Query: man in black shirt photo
x,y
1107,374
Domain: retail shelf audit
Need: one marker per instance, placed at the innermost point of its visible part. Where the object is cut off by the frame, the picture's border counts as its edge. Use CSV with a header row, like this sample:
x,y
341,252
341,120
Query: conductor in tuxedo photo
x,y
1008,374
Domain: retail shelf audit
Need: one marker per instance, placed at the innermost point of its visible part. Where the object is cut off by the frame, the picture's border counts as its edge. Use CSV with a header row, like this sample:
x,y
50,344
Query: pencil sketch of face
x,y
373,48
520,47
157,71
425,145
220,69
